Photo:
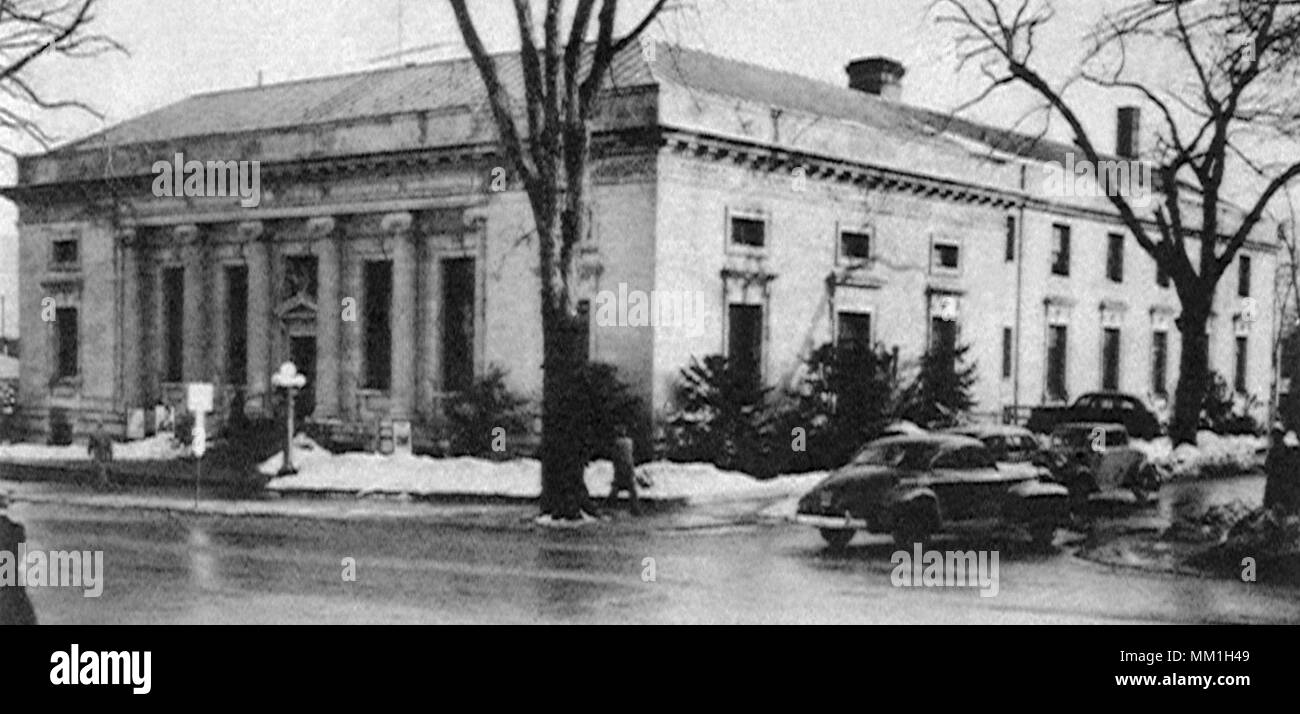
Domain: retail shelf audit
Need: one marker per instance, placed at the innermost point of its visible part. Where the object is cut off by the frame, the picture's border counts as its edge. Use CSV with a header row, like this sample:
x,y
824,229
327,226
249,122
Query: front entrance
x,y
302,352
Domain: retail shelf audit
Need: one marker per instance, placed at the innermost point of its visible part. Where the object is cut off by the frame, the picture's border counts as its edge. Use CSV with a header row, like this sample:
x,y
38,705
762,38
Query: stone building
x,y
388,253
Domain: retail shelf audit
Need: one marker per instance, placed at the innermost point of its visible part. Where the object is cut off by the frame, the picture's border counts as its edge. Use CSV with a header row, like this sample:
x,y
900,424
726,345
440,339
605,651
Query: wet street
x,y
443,564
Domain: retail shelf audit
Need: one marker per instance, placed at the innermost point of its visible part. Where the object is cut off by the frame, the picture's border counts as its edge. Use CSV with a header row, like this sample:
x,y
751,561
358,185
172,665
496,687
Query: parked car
x,y
1108,407
1096,458
1009,444
912,486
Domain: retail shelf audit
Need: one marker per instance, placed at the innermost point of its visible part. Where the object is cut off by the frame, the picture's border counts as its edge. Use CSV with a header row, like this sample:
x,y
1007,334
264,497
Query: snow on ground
x,y
158,447
1213,454
360,473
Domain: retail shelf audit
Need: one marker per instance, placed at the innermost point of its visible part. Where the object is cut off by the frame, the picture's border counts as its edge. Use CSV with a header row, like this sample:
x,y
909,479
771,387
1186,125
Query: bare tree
x,y
551,154
1231,101
33,32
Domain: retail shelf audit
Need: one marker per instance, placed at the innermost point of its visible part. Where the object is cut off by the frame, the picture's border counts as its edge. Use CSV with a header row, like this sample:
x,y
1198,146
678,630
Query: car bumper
x,y
837,522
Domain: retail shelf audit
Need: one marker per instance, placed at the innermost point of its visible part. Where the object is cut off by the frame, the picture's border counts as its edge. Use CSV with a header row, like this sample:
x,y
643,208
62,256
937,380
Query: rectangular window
x,y
1115,257
1008,350
458,287
750,232
1056,361
66,338
855,245
947,256
377,313
1110,359
745,340
1162,278
943,341
854,331
237,324
299,277
1239,377
1243,276
1009,252
174,323
65,253
1159,362
1060,249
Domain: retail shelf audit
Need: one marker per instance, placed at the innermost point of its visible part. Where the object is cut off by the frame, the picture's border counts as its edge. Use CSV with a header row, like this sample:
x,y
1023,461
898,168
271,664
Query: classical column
x,y
402,327
329,310
193,359
350,341
259,318
145,306
130,318
428,364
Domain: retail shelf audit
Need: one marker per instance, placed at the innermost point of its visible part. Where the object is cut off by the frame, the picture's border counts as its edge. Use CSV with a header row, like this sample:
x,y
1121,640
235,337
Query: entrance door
x,y
302,352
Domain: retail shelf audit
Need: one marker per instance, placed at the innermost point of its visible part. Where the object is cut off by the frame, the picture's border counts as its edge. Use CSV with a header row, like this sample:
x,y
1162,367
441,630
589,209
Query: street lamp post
x,y
290,380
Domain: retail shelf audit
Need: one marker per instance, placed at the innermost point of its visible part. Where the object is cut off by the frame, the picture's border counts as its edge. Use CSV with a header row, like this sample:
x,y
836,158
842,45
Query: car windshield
x,y
899,454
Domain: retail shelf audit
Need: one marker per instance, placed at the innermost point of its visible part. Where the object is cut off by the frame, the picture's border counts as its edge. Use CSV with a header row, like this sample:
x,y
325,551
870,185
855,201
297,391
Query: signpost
x,y
198,400
290,380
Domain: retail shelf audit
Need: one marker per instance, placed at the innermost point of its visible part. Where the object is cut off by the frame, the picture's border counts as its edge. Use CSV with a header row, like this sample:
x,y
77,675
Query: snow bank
x,y
158,447
1212,455
319,470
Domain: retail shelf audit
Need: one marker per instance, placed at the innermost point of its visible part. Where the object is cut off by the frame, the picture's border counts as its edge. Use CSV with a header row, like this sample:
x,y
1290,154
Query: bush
x,y
941,392
474,413
722,418
1223,413
848,396
183,428
604,403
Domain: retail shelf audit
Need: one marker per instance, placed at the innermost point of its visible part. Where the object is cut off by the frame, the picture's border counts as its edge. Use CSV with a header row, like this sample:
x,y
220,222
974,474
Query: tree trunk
x,y
564,490
1193,375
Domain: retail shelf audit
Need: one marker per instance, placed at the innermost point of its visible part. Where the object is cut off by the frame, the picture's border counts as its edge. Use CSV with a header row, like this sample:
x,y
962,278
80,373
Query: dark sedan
x,y
1104,407
912,486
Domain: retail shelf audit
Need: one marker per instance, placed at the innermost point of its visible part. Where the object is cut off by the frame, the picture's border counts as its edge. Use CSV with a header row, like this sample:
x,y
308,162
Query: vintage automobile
x,y
1109,407
912,486
1008,443
1093,458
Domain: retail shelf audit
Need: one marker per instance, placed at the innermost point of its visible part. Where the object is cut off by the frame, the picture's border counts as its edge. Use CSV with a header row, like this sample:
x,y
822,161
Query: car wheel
x,y
837,537
911,527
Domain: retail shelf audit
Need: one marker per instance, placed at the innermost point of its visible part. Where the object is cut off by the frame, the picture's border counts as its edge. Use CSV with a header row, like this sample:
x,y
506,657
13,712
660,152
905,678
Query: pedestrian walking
x,y
101,453
624,471
15,608
1282,469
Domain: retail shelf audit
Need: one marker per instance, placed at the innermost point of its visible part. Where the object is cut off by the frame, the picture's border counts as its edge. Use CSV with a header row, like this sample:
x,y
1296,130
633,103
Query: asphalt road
x,y
482,564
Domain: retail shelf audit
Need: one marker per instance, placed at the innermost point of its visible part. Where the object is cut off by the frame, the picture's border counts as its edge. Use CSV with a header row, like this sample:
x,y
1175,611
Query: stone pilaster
x,y
131,319
193,359
350,339
428,358
326,245
259,318
403,325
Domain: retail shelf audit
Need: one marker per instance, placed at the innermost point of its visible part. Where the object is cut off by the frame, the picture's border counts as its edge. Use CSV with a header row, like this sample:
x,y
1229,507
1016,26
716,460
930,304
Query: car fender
x,y
918,497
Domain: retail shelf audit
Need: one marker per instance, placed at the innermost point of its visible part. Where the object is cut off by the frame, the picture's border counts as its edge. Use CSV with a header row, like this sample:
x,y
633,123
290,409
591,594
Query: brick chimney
x,y
1128,122
880,76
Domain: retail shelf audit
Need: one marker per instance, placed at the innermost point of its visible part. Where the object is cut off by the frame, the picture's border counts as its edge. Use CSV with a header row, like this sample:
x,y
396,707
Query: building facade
x,y
389,256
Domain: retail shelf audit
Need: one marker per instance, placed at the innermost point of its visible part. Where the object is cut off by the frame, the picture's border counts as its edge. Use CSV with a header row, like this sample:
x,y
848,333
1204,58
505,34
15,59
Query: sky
x,y
183,47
